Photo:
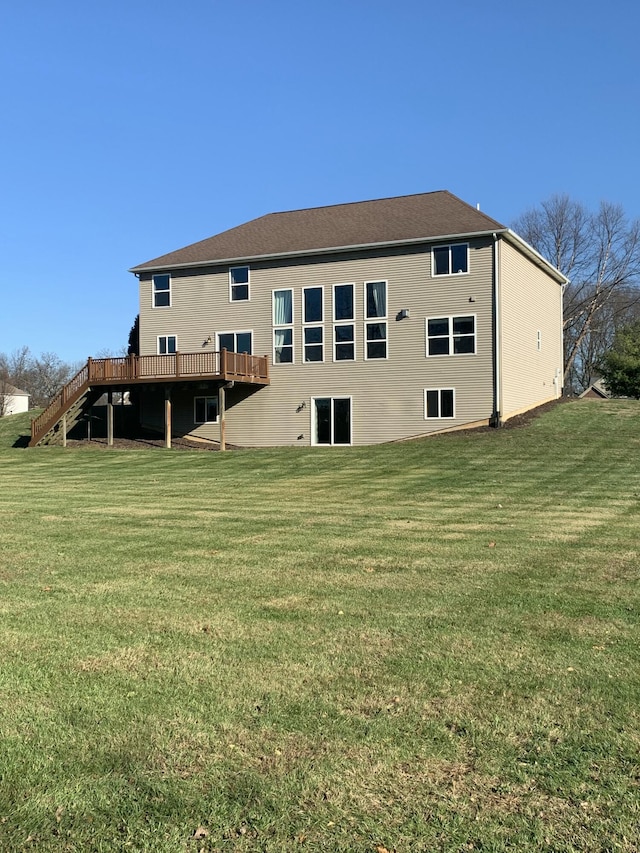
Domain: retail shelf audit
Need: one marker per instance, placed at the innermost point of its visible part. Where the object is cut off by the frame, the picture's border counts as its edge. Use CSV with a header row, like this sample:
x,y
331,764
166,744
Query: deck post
x,y
64,430
223,420
167,416
110,418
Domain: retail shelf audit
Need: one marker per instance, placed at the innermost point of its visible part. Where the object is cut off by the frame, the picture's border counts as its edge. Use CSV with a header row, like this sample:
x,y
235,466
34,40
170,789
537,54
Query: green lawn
x,y
429,646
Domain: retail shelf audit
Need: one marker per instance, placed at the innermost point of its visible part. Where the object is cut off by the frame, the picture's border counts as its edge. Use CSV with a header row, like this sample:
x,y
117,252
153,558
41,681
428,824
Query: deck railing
x,y
133,369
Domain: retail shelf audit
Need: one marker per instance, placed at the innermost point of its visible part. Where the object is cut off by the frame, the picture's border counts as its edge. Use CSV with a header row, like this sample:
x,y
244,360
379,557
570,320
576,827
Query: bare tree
x,y
600,254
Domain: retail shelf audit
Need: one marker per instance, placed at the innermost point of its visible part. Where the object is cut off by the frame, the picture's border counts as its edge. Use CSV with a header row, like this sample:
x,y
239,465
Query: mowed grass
x,y
429,646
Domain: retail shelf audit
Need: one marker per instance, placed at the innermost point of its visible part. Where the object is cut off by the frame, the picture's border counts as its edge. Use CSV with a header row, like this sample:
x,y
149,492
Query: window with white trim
x,y
451,335
313,312
313,343
161,285
205,410
283,326
235,341
344,348
450,260
439,403
238,284
331,420
167,344
375,334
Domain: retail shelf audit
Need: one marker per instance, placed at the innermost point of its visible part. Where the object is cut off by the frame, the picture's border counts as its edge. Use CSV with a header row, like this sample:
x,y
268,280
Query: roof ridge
x,y
351,203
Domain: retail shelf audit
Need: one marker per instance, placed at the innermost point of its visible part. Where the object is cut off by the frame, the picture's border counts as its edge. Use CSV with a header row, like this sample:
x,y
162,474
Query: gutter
x,y
497,341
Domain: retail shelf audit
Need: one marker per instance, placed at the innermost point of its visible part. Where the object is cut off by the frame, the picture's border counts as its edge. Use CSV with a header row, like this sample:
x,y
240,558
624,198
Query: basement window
x,y
439,403
205,410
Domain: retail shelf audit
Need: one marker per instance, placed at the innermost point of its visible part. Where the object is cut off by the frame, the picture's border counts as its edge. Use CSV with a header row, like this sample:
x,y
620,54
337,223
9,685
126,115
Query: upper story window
x,y
451,335
167,344
239,284
450,260
375,299
342,302
161,290
375,306
283,326
312,305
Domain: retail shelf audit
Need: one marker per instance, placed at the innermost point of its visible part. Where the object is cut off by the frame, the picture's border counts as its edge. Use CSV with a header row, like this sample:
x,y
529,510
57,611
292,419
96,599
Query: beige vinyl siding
x,y
530,302
387,395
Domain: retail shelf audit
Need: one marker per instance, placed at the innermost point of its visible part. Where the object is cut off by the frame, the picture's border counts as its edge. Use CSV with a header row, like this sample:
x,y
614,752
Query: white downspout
x,y
498,331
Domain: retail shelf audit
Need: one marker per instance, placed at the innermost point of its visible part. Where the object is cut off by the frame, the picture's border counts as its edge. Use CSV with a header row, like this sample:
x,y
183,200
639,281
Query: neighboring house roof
x,y
597,389
12,391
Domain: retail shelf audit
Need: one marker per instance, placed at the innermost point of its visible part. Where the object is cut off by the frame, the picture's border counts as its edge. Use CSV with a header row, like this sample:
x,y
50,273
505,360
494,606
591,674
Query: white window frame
x,y
232,285
344,320
234,332
305,329
315,443
448,246
381,320
451,336
313,324
281,327
206,397
440,417
166,339
337,343
154,292
319,322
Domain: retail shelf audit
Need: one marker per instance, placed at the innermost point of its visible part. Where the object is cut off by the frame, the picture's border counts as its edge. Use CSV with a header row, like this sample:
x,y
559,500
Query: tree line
x,y
40,376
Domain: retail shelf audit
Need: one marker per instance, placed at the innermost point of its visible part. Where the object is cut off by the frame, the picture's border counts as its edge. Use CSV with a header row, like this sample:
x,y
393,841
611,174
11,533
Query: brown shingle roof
x,y
363,223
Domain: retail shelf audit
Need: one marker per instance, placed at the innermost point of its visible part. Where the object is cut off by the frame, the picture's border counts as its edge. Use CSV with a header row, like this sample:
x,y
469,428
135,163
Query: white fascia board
x,y
534,255
443,238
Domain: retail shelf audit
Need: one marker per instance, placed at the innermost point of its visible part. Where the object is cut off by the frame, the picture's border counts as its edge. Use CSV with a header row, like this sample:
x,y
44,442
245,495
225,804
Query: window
x,y
283,317
375,334
344,342
283,346
451,335
439,403
238,284
450,260
375,296
342,302
167,344
331,420
312,305
205,410
235,341
161,290
344,334
313,312
313,343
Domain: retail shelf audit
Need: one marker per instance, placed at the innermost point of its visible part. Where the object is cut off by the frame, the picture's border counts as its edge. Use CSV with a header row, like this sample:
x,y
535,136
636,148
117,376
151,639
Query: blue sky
x,y
134,127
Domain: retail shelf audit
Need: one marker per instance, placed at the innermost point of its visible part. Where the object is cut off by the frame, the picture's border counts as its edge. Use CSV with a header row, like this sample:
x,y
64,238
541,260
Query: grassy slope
x,y
425,646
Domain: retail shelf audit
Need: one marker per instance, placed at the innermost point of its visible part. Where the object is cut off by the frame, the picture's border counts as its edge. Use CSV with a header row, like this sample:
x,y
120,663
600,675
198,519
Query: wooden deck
x,y
209,365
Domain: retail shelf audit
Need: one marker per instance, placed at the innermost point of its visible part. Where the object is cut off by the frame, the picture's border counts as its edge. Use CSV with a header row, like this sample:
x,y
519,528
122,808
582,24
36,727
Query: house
x,y
351,324
13,400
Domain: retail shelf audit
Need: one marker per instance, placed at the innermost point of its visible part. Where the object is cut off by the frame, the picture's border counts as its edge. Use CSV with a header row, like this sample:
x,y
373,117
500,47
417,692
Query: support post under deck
x,y
167,416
